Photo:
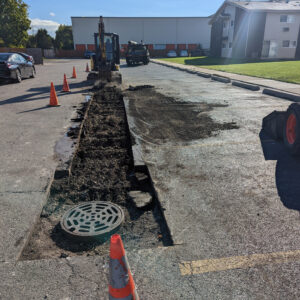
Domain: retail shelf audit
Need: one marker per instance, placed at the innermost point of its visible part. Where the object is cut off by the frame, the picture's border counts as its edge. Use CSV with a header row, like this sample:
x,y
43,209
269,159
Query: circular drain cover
x,y
91,221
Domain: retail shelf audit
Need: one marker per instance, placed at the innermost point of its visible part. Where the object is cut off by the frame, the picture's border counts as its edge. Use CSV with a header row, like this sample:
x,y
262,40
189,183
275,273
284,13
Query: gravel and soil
x,y
161,119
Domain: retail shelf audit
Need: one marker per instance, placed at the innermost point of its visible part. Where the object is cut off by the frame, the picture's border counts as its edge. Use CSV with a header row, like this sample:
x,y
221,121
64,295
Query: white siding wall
x,y
228,31
274,33
150,30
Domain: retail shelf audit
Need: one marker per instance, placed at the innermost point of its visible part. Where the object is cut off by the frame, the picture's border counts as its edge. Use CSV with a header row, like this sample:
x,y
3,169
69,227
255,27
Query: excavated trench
x,y
102,169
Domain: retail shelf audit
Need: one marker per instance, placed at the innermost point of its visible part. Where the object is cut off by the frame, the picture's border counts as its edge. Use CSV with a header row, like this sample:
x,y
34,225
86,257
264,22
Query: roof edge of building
x,y
89,17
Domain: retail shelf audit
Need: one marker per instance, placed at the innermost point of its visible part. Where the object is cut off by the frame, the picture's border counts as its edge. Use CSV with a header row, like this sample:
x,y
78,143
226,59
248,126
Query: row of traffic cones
x,y
66,88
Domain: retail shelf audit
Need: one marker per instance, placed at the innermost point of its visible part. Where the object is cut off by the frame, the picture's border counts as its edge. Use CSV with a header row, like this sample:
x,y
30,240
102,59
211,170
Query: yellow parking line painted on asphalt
x,y
237,262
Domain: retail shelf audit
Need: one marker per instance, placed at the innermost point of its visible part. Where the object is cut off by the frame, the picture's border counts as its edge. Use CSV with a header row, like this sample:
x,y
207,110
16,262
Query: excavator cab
x,y
112,52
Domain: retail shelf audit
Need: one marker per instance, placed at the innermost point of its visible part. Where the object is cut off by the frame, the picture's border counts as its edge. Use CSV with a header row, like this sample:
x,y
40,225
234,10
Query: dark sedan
x,y
15,67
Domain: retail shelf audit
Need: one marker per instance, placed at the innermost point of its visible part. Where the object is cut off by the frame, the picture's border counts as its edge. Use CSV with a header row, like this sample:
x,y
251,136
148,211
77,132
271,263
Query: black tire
x,y
33,73
291,129
18,76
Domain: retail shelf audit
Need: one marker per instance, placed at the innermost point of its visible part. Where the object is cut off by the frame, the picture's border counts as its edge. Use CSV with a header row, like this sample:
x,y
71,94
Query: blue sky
x,y
49,14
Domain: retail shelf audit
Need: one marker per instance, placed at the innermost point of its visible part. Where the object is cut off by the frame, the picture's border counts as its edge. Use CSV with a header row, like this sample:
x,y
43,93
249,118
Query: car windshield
x,y
4,56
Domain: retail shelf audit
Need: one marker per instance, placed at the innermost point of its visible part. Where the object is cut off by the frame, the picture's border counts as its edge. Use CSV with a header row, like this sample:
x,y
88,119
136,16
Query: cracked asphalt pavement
x,y
233,236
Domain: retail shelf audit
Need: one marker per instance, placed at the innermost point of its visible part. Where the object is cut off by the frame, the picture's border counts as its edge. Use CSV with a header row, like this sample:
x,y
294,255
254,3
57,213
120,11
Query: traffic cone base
x,y
121,285
53,97
66,88
74,75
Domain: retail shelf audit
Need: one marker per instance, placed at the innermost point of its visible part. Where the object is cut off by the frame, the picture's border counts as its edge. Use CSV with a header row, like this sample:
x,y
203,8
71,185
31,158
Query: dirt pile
x,y
160,118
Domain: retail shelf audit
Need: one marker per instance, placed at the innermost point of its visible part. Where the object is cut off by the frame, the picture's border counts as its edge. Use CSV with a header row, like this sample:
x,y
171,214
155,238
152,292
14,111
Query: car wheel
x,y
32,73
18,76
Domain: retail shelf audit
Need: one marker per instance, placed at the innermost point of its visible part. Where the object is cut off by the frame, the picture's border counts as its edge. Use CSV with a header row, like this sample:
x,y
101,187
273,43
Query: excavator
x,y
106,59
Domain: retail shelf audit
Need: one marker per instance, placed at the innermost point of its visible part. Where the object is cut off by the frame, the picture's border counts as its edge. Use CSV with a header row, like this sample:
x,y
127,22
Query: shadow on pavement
x,y
41,93
287,173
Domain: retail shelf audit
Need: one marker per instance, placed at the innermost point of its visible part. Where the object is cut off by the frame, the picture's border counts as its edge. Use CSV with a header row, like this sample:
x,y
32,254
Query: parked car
x,y
88,54
26,56
183,53
172,53
15,67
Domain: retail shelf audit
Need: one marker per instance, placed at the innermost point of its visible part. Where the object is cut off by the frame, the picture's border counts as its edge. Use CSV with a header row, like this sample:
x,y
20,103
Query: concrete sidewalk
x,y
267,83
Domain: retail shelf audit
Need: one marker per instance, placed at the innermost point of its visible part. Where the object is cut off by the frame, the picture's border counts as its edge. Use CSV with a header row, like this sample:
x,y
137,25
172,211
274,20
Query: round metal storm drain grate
x,y
92,221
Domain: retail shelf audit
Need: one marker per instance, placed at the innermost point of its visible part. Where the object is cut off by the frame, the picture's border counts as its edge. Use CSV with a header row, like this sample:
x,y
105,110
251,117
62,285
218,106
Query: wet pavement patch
x,y
160,119
102,170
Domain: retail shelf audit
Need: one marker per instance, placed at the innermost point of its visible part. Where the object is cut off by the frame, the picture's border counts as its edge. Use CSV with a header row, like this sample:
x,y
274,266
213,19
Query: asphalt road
x,y
29,132
234,238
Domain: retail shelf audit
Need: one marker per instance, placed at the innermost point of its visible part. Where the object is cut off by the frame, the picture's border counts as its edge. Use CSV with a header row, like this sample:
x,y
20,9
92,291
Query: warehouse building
x,y
161,34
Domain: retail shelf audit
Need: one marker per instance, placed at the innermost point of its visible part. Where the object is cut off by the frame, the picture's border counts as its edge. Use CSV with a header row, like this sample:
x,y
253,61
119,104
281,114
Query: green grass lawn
x,y
287,71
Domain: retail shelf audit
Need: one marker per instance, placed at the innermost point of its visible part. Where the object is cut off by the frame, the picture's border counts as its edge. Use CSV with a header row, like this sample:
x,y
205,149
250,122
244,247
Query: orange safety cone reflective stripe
x,y
121,281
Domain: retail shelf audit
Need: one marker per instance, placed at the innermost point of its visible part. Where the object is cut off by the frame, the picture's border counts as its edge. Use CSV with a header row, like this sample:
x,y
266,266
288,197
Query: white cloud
x,y
52,14
51,26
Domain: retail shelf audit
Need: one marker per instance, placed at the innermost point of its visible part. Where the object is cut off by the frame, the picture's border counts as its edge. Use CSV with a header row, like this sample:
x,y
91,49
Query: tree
x,y
43,39
64,37
14,23
31,43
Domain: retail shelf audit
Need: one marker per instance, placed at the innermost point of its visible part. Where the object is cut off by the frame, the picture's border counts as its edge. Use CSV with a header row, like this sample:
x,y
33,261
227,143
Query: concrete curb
x,y
242,84
136,148
195,72
245,85
220,79
283,95
64,168
205,75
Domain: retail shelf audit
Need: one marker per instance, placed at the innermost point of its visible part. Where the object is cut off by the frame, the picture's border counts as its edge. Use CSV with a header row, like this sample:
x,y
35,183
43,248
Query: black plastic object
x,y
273,124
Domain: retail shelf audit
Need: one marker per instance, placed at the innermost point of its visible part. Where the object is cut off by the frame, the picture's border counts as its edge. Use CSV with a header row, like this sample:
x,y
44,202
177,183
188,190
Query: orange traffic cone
x,y
66,87
121,285
74,73
53,97
87,69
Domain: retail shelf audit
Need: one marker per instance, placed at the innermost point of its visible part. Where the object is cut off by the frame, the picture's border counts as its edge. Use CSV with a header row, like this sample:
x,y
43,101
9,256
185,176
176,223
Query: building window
x,y
287,18
230,45
232,23
286,44
291,19
159,46
283,18
293,44
224,45
225,25
285,29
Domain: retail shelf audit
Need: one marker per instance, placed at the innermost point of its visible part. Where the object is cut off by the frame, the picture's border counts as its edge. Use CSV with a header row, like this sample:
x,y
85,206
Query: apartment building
x,y
256,29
